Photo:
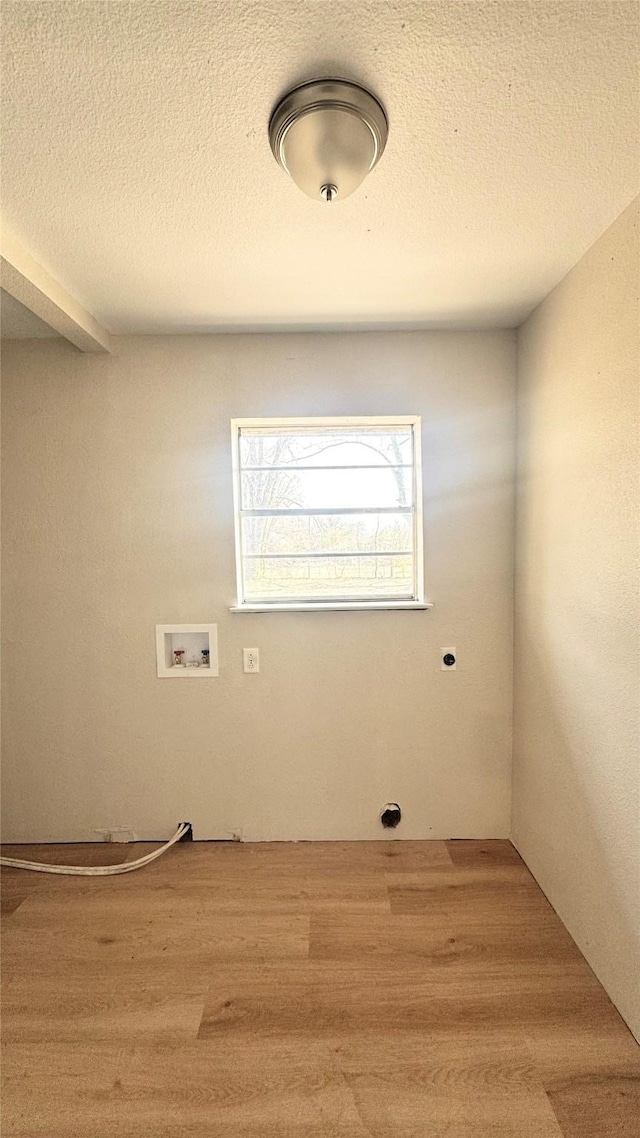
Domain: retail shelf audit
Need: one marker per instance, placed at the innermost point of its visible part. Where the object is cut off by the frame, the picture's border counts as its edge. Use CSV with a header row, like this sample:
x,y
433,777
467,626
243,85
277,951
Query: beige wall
x,y
576,809
118,516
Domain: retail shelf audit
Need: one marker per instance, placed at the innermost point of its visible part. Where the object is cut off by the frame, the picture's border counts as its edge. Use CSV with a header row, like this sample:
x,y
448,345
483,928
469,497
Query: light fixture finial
x,y
329,193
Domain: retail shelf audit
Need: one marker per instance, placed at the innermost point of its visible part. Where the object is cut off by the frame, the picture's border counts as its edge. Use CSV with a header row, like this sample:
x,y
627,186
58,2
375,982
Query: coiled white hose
x,y
97,870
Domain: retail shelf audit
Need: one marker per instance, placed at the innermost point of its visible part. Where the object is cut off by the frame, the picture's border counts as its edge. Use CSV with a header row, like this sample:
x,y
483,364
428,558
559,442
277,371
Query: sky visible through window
x,y
327,513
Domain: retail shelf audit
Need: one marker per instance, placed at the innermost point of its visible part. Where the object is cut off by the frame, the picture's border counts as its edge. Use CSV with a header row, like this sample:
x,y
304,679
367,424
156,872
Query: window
x,y
328,513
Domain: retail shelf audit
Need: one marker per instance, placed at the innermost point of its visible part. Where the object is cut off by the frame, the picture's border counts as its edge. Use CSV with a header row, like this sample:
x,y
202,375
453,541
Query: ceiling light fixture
x,y
328,134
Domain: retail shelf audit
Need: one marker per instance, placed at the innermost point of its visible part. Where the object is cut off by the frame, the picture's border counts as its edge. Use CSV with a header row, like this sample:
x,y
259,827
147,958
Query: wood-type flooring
x,y
388,989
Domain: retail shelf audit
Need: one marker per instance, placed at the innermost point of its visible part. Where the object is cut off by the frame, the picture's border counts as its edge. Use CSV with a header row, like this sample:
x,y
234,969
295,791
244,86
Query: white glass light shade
x,y
328,135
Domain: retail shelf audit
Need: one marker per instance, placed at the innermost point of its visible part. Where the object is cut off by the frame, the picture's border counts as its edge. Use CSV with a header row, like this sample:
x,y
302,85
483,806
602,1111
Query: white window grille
x,y
328,512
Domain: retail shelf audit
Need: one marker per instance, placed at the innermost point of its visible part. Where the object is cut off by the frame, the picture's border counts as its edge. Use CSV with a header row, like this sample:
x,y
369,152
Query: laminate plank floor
x,y
342,990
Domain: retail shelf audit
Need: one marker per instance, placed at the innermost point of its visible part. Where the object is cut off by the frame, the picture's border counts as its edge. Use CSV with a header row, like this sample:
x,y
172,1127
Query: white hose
x,y
96,870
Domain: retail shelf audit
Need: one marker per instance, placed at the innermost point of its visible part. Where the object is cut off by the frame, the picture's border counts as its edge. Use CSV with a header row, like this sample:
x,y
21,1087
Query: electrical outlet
x,y
448,659
251,659
116,834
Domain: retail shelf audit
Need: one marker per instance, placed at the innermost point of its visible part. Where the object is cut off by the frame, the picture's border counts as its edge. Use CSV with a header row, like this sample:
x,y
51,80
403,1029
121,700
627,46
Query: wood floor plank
x,y
59,1089
295,894
502,896
18,884
109,931
592,1078
341,858
469,853
450,940
241,885
299,896
408,1088
80,1002
70,853
452,1087
485,878
316,996
11,900
311,990
595,1106
99,1011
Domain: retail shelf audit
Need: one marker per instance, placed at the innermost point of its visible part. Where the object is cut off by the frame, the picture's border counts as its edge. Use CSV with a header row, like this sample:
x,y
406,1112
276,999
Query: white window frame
x,y
417,601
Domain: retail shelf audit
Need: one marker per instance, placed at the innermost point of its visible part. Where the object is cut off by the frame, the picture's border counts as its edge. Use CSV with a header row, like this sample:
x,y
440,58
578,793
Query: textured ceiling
x,y
137,168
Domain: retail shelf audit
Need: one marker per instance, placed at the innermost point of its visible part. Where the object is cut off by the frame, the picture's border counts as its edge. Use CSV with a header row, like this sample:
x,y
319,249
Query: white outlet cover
x,y
251,660
448,667
116,834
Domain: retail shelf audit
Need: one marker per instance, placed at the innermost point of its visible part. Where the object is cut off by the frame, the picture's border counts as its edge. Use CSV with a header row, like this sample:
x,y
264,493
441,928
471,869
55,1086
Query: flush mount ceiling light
x,y
328,135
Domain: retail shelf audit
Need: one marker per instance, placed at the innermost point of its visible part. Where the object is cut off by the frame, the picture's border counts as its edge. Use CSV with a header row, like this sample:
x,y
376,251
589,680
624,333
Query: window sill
x,y
333,606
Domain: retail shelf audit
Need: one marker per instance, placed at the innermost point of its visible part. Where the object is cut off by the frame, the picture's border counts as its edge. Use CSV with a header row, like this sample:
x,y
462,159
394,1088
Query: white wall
x,y
118,516
576,808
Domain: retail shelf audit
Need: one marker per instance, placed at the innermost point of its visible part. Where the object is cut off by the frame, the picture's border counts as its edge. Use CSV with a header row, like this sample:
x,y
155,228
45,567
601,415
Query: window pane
x,y
303,446
327,511
326,489
328,577
348,533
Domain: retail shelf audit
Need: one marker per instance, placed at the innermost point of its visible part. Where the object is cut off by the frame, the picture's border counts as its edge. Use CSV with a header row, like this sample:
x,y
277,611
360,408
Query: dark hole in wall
x,y
391,816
